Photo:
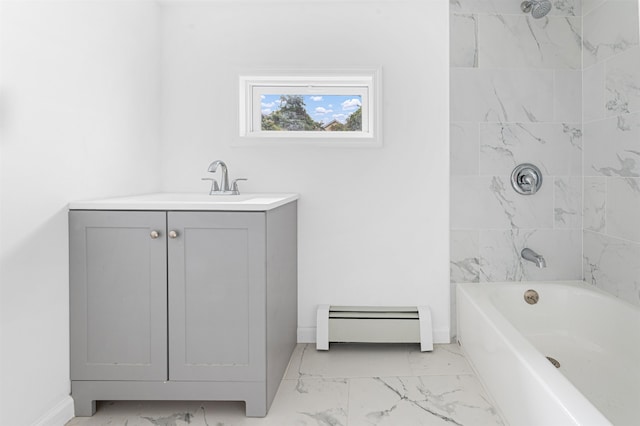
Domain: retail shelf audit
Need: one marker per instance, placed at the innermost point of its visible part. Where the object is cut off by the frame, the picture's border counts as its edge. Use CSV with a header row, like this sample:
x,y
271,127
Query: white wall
x,y
497,122
611,105
80,101
373,223
79,97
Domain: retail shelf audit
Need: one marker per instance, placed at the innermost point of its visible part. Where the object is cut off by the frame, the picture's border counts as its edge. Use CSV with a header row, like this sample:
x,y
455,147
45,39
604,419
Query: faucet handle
x,y
214,185
234,186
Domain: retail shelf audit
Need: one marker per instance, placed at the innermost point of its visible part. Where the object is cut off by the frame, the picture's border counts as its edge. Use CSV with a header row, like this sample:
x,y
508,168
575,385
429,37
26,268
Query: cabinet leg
x,y
256,407
83,407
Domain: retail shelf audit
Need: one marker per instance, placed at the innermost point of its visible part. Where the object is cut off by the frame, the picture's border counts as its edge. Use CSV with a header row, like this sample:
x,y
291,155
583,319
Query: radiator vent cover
x,y
374,324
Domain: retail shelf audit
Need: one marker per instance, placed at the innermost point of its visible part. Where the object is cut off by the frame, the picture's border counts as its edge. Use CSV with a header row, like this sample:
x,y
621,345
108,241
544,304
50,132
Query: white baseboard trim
x,y
58,415
441,335
308,335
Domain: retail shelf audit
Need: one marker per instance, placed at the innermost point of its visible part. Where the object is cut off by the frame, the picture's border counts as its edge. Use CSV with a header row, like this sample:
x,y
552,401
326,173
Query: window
x,y
330,107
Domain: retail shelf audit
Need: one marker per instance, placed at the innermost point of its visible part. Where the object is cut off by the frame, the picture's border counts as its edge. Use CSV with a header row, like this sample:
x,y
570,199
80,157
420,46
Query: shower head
x,y
538,8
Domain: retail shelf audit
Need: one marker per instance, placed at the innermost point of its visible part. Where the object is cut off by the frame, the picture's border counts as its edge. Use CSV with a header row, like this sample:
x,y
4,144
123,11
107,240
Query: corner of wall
x,y
59,414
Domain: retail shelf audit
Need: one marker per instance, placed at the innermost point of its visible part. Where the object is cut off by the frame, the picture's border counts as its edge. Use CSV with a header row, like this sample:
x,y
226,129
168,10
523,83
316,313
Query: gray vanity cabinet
x,y
216,296
118,296
182,305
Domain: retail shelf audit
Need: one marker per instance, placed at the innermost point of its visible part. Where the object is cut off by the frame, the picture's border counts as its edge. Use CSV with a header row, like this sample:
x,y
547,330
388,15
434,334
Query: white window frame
x,y
363,82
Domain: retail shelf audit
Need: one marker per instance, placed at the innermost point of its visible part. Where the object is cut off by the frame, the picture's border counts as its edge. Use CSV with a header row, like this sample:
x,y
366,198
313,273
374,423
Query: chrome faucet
x,y
224,188
224,180
532,256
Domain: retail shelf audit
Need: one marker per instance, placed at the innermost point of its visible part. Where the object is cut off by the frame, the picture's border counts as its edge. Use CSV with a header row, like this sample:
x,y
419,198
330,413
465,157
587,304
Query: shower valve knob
x,y
526,179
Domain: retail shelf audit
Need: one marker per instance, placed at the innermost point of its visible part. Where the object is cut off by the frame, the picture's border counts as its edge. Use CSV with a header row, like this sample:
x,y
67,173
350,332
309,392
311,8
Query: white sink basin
x,y
188,201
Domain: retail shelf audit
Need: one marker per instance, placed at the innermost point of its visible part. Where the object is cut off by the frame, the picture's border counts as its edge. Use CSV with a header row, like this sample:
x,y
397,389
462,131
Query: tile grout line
x,y
346,422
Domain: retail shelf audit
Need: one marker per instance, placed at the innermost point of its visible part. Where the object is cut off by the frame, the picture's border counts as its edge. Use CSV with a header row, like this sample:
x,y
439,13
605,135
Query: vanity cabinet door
x,y
118,295
217,267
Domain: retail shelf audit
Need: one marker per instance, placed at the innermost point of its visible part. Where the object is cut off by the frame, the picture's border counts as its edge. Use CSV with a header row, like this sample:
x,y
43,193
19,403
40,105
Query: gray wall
x,y
612,148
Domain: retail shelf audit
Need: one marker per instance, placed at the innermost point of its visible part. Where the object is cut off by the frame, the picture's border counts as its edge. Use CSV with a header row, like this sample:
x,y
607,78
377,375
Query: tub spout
x,y
534,257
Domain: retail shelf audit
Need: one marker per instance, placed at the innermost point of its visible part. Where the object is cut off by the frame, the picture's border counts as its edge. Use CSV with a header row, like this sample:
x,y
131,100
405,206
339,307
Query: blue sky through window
x,y
322,108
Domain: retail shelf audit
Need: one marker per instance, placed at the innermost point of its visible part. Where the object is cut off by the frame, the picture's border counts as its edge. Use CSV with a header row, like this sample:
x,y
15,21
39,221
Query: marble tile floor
x,y
349,385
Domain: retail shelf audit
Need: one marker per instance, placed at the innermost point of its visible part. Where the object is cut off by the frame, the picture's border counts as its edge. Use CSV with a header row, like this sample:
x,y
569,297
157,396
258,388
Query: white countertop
x,y
188,201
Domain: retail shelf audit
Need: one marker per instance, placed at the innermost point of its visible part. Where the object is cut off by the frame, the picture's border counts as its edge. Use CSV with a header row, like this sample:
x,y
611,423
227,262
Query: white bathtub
x,y
594,336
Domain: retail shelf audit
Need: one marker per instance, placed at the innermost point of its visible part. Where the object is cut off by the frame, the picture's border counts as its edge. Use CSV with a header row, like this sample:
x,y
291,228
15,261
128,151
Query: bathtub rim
x,y
583,285
562,391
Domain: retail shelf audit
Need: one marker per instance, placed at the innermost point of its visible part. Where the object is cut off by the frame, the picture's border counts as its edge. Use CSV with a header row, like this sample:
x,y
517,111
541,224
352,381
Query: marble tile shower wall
x,y
612,147
515,98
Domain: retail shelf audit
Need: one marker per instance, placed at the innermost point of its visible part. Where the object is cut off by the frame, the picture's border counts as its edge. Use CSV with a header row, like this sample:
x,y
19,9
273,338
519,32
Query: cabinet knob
x,y
154,234
173,234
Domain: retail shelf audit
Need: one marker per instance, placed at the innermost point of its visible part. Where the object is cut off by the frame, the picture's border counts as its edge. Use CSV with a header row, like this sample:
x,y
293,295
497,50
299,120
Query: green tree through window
x,y
292,116
354,122
292,113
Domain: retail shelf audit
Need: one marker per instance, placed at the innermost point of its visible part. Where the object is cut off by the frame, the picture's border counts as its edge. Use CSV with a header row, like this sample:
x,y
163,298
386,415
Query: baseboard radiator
x,y
374,324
